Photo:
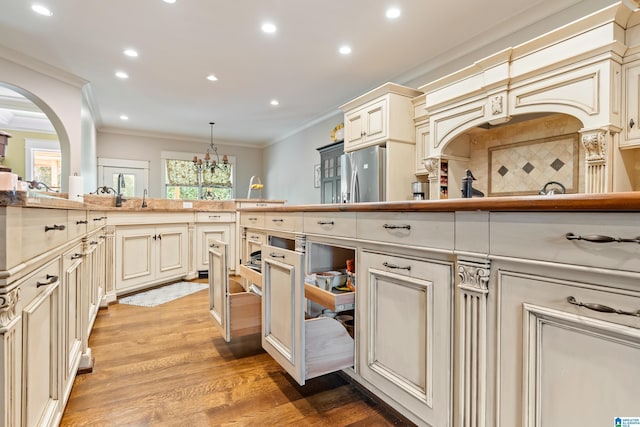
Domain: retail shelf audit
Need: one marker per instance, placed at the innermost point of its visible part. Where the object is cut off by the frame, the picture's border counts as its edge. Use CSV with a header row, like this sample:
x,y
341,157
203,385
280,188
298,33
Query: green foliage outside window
x,y
182,181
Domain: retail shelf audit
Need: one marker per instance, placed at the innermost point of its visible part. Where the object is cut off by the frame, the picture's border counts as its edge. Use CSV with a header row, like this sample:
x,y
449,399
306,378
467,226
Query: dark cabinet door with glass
x,y
330,172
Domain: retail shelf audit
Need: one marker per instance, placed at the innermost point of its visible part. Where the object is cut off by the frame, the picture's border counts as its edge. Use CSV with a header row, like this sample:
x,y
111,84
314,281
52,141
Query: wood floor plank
x,y
169,366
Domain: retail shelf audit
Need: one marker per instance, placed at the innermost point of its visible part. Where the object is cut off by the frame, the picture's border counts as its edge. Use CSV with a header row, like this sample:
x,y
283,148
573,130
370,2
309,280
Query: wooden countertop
x,y
610,202
107,203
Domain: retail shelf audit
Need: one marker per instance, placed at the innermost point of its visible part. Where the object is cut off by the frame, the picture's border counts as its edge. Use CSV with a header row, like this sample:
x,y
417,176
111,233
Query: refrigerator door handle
x,y
355,187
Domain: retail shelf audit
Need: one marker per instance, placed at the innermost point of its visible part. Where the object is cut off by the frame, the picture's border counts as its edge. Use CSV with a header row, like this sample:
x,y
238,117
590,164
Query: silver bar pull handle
x,y
395,227
51,279
396,267
601,308
275,255
599,238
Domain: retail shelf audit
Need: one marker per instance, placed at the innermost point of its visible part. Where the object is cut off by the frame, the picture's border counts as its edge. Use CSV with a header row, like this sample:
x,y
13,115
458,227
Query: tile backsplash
x,y
520,158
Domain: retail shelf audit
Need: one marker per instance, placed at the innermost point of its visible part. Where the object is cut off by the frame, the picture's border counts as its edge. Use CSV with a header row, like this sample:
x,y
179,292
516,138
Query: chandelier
x,y
208,162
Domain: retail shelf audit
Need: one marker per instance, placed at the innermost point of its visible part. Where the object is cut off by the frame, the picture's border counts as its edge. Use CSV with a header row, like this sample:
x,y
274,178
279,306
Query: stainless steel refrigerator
x,y
363,175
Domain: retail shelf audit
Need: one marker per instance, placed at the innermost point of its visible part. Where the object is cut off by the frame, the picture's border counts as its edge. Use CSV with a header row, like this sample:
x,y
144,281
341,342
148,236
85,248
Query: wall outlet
x,y
187,205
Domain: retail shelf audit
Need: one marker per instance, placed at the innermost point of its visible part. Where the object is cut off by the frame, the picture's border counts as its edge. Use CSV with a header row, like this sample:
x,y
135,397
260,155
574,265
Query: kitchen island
x,y
480,312
476,312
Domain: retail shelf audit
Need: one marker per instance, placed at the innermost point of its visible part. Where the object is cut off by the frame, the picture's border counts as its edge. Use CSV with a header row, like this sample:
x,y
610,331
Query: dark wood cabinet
x,y
330,156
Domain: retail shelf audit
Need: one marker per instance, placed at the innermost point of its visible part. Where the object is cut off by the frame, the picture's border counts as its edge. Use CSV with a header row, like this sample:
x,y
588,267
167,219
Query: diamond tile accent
x,y
557,164
528,167
503,170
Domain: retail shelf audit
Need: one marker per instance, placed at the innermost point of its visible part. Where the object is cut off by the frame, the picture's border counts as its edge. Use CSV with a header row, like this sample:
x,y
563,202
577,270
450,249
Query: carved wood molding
x,y
595,144
8,303
473,291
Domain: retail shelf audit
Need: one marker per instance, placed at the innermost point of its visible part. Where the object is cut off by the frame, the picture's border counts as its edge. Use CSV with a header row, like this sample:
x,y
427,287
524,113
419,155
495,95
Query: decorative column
x,y
432,166
110,266
597,165
472,294
9,364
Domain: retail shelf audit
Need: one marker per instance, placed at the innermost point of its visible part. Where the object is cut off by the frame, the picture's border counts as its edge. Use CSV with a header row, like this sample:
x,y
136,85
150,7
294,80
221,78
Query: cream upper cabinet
x,y
632,105
385,113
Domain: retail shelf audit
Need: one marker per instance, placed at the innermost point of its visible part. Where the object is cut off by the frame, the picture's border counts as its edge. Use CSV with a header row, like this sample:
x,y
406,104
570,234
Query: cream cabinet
x,y
235,311
306,348
569,347
212,226
41,329
149,254
631,116
72,288
404,320
385,113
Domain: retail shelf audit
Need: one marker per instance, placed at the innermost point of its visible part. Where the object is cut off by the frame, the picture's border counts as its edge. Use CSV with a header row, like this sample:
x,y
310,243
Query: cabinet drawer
x,y
256,238
335,223
285,221
96,219
215,217
42,230
76,223
432,229
39,281
543,236
252,219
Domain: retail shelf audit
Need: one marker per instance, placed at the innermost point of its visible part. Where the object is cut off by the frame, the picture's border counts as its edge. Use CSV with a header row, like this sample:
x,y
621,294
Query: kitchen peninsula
x,y
468,312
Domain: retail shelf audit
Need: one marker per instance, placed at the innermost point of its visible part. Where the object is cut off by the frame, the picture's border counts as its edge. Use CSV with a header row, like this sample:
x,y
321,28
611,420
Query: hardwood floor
x,y
169,366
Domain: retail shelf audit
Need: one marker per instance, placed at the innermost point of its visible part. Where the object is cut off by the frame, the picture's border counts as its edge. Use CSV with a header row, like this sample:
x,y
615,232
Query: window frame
x,y
181,155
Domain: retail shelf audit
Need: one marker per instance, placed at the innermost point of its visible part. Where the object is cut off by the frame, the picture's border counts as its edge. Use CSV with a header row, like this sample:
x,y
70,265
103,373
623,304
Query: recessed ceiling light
x,y
274,102
122,75
212,78
123,117
131,52
345,50
268,27
42,10
169,1
393,13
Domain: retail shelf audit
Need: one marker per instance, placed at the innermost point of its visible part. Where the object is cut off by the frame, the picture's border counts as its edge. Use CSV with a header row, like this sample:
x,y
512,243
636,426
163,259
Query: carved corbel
x,y
8,304
432,166
595,143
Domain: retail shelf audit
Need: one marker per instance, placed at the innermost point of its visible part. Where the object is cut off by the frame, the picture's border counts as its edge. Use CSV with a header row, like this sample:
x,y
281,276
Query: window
x,y
43,162
182,181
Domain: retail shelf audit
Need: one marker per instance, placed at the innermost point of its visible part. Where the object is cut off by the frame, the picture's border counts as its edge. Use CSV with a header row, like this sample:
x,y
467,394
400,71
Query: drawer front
x,y
39,281
252,219
256,238
285,221
543,236
341,224
215,217
76,223
259,204
431,229
42,230
96,219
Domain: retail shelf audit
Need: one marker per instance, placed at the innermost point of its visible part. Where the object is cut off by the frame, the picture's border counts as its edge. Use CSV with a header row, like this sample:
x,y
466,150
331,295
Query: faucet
x,y
552,191
121,185
467,186
144,195
254,184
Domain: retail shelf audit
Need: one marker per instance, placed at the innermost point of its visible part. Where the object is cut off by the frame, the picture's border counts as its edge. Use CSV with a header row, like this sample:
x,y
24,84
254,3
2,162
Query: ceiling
x,y
299,65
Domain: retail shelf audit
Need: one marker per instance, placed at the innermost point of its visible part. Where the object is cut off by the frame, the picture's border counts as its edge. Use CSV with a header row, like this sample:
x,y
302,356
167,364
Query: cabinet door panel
x,y
556,358
172,258
134,249
405,317
40,347
376,121
283,309
219,286
206,236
